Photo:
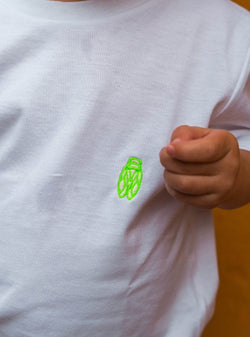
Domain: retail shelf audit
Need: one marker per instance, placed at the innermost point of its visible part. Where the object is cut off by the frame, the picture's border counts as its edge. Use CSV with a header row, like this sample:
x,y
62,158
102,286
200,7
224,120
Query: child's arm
x,y
206,168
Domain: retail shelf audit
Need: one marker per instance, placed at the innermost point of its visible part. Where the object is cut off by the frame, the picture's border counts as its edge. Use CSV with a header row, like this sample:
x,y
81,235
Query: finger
x,y
200,169
190,185
210,148
186,132
179,167
206,201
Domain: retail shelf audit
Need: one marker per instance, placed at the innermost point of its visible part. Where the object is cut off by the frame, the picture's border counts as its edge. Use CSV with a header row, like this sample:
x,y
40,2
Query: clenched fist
x,y
201,166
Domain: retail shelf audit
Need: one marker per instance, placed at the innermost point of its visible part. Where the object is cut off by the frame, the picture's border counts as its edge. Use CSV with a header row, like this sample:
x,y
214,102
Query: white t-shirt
x,y
91,243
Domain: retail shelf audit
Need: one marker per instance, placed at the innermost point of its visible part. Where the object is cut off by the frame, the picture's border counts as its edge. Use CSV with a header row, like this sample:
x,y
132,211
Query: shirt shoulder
x,y
218,7
218,13
228,27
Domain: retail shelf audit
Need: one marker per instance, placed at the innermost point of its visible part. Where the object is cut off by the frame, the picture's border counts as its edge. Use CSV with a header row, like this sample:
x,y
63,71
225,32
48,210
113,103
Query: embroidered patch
x,y
130,178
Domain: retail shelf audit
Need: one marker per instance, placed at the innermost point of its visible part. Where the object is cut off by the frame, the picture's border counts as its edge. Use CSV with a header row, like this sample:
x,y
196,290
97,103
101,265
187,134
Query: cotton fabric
x,y
83,87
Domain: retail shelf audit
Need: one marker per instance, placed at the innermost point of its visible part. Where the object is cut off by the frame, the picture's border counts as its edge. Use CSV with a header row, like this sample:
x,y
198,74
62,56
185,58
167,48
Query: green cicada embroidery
x,y
130,178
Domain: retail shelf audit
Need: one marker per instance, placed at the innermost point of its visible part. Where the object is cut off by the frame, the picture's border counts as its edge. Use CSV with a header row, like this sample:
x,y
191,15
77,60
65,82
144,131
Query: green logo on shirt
x,y
130,178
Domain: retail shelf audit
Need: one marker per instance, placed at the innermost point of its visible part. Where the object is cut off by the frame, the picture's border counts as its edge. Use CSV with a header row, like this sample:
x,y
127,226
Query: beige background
x,y
232,313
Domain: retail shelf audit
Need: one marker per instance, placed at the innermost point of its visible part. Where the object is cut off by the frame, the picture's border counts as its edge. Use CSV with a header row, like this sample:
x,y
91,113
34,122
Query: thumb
x,y
195,144
185,132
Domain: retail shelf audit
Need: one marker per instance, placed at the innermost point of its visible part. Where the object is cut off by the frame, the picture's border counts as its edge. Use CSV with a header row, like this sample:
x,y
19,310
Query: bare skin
x,y
206,168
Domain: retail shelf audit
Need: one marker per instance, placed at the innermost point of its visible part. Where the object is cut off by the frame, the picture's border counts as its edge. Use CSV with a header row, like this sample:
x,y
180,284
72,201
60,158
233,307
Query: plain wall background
x,y
232,312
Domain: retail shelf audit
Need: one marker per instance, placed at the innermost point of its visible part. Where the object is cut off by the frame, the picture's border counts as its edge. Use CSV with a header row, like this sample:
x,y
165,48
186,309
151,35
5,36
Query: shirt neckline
x,y
79,12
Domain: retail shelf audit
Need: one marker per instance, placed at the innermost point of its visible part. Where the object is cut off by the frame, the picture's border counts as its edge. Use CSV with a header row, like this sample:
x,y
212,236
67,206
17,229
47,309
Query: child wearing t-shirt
x,y
123,123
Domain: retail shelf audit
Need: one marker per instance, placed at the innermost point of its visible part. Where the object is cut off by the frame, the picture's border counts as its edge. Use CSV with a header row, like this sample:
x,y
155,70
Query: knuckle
x,y
223,133
167,178
229,135
183,185
175,194
162,156
227,185
164,174
210,202
230,142
170,190
165,159
182,129
235,165
210,151
162,161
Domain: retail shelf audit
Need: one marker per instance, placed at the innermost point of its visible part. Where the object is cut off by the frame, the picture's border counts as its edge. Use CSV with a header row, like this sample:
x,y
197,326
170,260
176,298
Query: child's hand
x,y
201,165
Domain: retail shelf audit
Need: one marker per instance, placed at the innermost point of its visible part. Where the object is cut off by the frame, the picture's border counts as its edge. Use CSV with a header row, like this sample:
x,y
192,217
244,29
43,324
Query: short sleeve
x,y
235,115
